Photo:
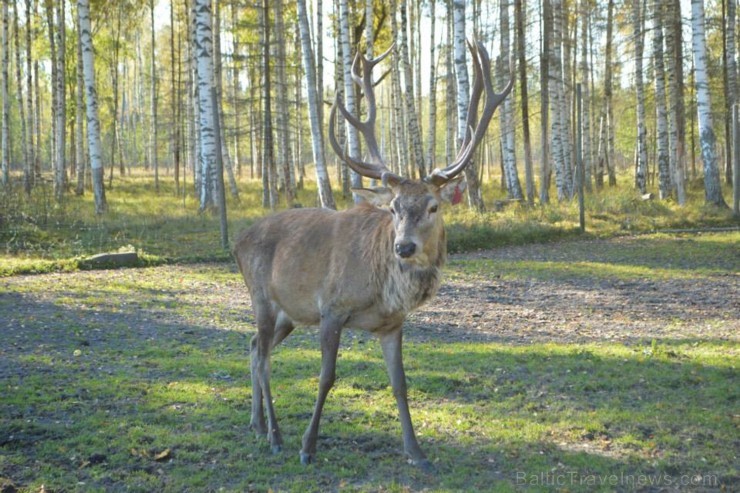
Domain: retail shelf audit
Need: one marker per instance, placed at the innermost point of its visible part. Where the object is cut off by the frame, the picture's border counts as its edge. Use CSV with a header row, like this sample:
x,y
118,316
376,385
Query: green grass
x,y
137,380
38,235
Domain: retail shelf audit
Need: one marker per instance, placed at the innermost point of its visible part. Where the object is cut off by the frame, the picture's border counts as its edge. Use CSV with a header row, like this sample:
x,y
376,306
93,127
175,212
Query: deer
x,y
363,268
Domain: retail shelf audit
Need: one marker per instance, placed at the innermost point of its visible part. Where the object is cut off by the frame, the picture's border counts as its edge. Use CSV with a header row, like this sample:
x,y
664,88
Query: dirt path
x,y
589,291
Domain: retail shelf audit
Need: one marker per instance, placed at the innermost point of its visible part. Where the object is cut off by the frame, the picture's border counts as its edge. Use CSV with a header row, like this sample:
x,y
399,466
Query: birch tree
x,y
731,71
350,99
79,114
545,91
412,118
95,149
317,144
60,110
432,132
676,110
204,60
637,24
513,186
707,138
29,101
27,172
664,177
5,139
153,87
557,149
586,7
522,54
475,197
283,114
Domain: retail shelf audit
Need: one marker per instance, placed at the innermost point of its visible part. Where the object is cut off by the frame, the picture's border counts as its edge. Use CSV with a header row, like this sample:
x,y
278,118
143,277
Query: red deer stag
x,y
365,268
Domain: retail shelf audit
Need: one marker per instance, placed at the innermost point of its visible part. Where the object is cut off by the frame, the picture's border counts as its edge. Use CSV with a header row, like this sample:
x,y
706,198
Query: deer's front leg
x,y
330,331
391,344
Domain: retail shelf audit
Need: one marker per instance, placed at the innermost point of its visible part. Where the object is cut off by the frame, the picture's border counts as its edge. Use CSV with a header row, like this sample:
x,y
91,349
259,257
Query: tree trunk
x,y
522,55
350,100
731,77
585,96
556,94
411,116
674,72
174,103
95,148
507,113
79,115
283,112
317,145
29,106
712,187
610,164
545,92
475,196
449,88
154,123
269,171
641,168
664,177
432,132
27,173
218,84
60,180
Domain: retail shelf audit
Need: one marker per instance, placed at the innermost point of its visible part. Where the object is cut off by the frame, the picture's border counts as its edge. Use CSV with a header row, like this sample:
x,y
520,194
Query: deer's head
x,y
416,205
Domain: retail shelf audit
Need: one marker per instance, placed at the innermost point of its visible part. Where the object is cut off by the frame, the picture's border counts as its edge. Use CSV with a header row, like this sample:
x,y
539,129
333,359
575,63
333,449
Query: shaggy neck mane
x,y
402,286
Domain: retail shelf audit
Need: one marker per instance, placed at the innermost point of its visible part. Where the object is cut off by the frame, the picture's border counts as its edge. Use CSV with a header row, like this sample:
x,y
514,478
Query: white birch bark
x,y
317,144
5,139
513,184
638,32
153,87
204,60
610,123
664,177
282,117
432,132
411,115
95,149
350,99
556,93
585,94
60,113
712,187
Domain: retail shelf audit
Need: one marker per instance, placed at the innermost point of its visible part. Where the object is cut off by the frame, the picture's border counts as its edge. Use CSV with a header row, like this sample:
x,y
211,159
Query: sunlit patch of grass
x,y
38,235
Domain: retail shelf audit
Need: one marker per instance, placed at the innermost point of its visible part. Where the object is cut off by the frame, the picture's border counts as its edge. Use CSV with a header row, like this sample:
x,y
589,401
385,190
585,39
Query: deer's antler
x,y
376,167
474,135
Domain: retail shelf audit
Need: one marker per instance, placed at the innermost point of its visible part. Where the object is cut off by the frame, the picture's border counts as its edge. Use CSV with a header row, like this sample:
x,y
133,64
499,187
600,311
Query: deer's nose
x,y
405,249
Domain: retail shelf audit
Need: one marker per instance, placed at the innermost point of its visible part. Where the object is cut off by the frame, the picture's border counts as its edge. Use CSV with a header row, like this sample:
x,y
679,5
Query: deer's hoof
x,y
426,466
306,459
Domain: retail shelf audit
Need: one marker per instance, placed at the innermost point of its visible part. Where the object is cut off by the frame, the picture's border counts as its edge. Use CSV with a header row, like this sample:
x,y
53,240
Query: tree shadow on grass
x,y
168,372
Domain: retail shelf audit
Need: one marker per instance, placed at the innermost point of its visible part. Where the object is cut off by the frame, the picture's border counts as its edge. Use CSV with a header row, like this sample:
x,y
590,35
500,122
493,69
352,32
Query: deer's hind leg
x,y
261,347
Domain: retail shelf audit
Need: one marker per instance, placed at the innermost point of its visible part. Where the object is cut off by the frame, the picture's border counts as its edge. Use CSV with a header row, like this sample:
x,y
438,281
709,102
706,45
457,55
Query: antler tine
x,y
376,168
482,81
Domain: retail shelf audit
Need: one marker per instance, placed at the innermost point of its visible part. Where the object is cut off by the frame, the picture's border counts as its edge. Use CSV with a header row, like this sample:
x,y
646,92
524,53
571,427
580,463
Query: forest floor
x,y
598,365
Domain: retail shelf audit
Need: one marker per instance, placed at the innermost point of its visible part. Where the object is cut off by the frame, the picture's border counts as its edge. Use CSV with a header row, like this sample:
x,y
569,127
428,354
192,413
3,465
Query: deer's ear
x,y
377,196
453,190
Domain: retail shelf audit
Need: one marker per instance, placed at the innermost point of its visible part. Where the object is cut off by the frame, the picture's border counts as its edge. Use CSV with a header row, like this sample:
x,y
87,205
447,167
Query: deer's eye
x,y
433,209
393,209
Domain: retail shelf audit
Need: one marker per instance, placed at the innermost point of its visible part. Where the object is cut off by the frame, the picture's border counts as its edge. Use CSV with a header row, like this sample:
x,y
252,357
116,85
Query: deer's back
x,y
309,261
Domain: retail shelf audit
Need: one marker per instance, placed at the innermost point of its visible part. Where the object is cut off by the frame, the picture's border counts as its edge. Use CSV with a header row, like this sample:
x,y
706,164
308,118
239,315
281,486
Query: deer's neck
x,y
405,286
